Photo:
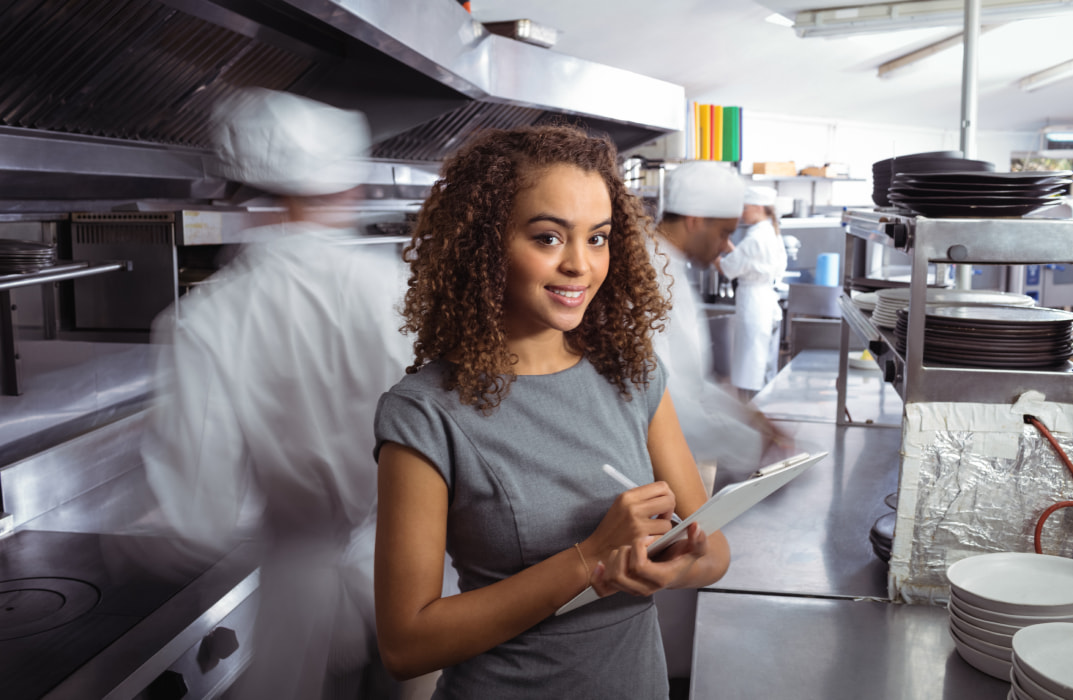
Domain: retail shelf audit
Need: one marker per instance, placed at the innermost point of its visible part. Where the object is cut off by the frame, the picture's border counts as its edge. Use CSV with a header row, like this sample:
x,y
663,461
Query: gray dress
x,y
524,483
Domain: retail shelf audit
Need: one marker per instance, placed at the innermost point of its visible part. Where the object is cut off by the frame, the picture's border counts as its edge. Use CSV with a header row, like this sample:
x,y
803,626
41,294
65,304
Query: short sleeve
x,y
416,422
657,385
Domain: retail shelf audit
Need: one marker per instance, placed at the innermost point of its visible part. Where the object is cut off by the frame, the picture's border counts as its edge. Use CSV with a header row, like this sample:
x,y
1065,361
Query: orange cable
x,y
1060,504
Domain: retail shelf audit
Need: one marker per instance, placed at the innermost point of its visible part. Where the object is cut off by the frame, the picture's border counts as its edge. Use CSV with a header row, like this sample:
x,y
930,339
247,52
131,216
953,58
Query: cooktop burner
x,y
65,596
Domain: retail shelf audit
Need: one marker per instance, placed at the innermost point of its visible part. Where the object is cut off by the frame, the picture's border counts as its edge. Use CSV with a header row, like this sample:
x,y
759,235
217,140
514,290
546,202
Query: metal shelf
x,y
985,241
9,347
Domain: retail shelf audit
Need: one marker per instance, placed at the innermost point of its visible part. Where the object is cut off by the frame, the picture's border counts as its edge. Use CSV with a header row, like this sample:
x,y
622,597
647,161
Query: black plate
x,y
987,199
1003,315
1060,185
1039,177
942,210
940,165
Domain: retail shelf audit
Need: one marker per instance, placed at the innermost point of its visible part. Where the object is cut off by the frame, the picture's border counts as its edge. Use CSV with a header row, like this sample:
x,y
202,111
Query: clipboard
x,y
730,502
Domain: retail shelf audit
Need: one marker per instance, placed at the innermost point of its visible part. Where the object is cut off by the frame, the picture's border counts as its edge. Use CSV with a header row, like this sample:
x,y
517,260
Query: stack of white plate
x,y
1041,662
865,301
994,596
889,301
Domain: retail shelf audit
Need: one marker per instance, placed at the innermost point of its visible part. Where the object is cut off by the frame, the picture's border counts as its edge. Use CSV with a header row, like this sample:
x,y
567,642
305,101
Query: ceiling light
x,y
781,20
891,16
1046,77
1061,136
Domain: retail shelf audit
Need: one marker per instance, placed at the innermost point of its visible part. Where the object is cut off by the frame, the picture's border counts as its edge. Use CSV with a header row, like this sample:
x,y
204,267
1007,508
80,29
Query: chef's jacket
x,y
756,263
268,378
716,424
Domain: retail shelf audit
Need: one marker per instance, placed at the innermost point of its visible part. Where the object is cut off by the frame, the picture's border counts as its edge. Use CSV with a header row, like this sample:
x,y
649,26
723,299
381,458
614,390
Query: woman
x,y
533,303
757,263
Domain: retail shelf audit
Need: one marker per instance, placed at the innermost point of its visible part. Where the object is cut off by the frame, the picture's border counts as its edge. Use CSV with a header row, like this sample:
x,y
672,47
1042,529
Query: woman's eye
x,y
546,238
599,239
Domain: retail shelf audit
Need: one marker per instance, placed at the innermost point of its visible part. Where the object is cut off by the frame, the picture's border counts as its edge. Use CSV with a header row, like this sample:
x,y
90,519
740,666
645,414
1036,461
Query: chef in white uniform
x,y
268,378
703,201
757,263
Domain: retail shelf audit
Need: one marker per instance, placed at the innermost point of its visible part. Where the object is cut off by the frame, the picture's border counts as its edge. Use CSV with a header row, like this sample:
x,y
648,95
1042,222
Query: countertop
x,y
804,613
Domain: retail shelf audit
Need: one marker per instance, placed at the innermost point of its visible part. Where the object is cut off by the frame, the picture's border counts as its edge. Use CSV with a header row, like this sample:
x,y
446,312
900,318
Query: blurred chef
x,y
268,379
702,204
757,263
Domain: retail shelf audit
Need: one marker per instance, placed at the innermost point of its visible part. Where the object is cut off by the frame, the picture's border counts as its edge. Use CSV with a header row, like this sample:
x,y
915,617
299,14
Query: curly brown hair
x,y
458,266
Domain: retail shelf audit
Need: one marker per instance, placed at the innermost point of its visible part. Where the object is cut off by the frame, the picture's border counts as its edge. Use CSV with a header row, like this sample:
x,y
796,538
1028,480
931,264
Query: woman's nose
x,y
575,259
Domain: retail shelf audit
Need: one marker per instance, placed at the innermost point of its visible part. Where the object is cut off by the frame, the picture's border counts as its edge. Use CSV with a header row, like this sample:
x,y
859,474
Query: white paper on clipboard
x,y
730,502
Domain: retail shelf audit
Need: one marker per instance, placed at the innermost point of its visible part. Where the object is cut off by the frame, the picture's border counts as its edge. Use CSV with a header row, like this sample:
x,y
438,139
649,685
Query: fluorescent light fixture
x,y
1061,136
891,16
1046,77
781,20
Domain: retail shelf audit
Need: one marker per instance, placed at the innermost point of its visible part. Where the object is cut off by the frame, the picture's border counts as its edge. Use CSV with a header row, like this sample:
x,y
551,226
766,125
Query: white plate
x,y
1020,693
1044,653
1015,583
1004,618
857,362
999,652
898,297
957,611
984,662
984,635
1028,687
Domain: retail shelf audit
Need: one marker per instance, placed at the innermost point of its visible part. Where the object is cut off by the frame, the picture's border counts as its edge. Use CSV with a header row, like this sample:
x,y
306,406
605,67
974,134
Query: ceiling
x,y
724,52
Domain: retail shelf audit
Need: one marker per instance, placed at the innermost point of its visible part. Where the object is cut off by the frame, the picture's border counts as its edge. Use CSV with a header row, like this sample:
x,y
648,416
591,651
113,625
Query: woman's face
x,y
557,250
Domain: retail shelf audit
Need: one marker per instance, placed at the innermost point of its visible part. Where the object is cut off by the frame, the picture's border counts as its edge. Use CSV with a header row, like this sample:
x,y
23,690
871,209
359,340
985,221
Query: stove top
x,y
65,596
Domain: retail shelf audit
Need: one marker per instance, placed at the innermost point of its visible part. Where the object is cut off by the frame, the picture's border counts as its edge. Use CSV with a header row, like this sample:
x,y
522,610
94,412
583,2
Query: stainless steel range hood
x,y
104,103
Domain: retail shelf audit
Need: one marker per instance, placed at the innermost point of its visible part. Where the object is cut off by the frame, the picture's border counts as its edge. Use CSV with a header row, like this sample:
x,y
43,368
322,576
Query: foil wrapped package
x,y
975,478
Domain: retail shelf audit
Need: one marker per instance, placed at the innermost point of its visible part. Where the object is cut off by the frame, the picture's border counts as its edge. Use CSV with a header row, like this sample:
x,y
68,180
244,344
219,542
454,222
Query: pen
x,y
625,481
784,464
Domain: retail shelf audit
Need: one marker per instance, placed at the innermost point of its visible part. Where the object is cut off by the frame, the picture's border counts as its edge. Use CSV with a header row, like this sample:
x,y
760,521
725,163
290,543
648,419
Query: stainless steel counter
x,y
803,612
775,647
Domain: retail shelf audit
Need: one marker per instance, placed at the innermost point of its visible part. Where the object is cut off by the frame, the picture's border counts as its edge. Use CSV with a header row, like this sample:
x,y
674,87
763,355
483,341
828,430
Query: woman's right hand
x,y
637,516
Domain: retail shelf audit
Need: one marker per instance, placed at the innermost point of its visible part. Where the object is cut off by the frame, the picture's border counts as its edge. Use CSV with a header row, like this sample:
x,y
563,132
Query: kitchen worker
x,y
268,378
703,202
757,263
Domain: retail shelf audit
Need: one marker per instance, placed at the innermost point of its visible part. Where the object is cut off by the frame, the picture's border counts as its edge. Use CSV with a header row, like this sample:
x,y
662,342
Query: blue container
x,y
827,265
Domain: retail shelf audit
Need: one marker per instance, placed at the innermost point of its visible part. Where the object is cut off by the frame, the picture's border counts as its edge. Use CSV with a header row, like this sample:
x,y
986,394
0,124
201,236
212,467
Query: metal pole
x,y
963,273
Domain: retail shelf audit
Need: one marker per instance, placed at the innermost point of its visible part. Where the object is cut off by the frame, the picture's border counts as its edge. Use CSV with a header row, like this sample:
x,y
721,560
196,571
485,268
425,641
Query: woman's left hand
x,y
629,568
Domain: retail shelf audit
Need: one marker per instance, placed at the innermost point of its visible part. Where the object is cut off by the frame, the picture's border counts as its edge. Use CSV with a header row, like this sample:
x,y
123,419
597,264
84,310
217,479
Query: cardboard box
x,y
775,168
829,170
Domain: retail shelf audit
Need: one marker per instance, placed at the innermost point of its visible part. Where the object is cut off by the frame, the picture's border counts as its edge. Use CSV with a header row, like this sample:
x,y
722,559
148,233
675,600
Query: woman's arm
x,y
696,561
420,631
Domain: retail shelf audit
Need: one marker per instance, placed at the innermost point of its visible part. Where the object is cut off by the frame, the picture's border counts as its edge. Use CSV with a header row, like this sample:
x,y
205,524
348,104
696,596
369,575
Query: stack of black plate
x,y
24,256
884,170
882,535
978,194
1000,337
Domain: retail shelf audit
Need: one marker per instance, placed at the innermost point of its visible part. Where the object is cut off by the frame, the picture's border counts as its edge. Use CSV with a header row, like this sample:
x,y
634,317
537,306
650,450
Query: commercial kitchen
x,y
838,584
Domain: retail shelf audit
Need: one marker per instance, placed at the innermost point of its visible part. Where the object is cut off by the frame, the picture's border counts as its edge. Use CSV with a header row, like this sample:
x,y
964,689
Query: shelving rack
x,y
947,241
63,270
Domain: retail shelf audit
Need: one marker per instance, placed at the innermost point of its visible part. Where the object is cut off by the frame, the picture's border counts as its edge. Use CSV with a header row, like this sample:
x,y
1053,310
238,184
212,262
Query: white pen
x,y
625,481
784,464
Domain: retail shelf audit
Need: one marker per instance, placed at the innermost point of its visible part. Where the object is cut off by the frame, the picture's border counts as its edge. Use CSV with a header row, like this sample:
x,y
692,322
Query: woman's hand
x,y
630,570
638,515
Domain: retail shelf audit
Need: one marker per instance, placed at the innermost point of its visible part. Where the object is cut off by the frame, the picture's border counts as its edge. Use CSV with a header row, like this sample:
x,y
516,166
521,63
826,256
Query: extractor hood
x,y
105,102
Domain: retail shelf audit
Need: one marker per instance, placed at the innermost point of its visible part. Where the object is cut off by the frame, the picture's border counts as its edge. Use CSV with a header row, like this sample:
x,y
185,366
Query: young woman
x,y
533,301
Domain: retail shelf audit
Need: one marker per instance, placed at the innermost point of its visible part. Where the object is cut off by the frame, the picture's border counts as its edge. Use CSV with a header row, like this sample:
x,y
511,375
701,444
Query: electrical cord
x,y
1065,459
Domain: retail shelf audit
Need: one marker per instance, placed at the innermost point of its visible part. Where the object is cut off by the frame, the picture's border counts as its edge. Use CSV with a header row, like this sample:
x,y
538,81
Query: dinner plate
x,y
990,665
1029,688
984,635
1015,583
989,625
1043,653
1039,176
1004,653
1009,316
941,210
1014,619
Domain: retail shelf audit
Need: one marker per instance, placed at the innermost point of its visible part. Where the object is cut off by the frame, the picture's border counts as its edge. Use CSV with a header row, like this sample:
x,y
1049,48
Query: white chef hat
x,y
704,188
290,145
762,196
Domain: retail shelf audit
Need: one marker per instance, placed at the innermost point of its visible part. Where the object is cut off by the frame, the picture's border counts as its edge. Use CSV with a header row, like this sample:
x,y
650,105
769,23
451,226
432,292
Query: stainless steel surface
x,y
806,390
69,388
762,646
132,121
62,271
811,537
